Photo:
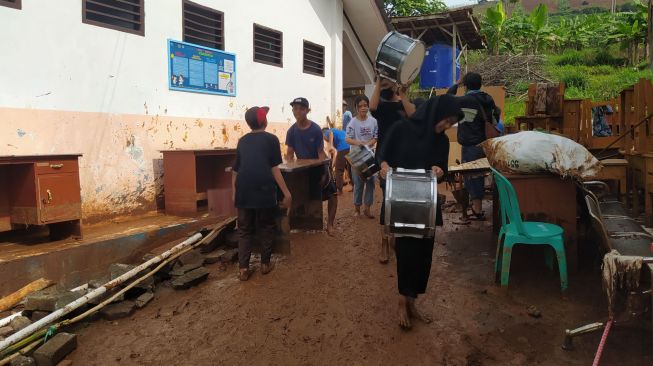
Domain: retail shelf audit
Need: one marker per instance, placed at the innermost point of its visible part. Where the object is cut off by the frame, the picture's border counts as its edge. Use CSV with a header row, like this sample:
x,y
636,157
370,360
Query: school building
x,y
105,78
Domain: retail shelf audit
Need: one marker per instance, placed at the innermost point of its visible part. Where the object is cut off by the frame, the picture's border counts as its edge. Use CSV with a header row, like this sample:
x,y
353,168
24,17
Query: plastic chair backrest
x,y
597,223
509,204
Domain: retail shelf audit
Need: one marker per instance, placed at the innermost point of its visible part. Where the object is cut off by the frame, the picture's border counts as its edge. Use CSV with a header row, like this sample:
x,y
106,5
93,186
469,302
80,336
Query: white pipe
x,y
80,288
7,320
32,328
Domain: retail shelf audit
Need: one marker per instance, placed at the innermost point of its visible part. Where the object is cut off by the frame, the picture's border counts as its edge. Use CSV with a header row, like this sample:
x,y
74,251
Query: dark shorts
x,y
474,183
329,190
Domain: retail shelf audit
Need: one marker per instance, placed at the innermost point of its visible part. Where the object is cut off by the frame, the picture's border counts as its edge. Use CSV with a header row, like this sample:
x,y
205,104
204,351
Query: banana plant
x,y
493,27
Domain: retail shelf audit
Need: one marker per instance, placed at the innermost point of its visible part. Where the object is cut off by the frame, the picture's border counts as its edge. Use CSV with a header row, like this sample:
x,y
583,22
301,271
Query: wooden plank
x,y
7,302
540,98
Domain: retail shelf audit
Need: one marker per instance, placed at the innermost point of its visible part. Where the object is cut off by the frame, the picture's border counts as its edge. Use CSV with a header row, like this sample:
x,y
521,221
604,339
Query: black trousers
x,y
255,223
414,258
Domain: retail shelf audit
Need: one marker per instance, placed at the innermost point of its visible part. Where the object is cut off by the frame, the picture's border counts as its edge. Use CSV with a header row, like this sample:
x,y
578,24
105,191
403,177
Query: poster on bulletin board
x,y
201,69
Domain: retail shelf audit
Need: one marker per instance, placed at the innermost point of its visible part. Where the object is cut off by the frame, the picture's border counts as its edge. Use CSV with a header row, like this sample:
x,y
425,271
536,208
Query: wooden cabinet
x,y
41,190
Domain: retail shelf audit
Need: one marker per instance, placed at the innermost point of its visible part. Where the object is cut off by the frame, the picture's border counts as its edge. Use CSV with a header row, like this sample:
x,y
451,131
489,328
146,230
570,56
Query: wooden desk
x,y
616,170
189,174
546,198
41,190
648,188
303,179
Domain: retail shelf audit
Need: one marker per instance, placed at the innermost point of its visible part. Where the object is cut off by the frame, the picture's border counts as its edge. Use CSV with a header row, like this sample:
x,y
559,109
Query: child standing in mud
x,y
256,175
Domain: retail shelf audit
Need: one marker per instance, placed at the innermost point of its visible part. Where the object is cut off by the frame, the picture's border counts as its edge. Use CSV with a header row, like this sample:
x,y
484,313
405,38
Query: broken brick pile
x,y
184,272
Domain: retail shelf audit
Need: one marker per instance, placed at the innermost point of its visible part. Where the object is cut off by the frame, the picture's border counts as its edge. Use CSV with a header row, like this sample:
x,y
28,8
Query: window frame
x,y
140,32
206,8
17,4
280,33
304,58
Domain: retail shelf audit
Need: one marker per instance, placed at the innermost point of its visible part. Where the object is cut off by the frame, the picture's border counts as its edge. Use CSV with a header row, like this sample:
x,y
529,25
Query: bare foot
x,y
244,274
267,268
367,213
414,313
357,212
385,251
404,318
330,230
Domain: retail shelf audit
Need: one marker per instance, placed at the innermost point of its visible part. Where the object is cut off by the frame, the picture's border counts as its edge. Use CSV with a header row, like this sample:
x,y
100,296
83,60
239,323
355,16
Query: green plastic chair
x,y
515,231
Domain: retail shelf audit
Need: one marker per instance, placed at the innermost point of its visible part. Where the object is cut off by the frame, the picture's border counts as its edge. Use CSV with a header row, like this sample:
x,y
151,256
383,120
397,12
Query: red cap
x,y
257,116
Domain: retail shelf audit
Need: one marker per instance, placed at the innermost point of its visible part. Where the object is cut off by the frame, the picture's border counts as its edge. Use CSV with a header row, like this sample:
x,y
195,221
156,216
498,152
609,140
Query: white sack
x,y
535,152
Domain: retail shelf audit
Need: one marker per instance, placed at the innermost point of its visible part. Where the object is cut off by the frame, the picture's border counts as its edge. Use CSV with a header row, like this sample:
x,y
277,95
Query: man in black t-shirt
x,y
389,104
256,176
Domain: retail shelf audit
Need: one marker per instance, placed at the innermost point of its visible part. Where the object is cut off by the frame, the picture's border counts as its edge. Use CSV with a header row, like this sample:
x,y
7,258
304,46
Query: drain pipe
x,y
7,320
29,330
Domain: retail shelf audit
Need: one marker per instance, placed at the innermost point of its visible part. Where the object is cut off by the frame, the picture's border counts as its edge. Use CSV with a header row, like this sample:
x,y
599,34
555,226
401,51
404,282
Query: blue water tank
x,y
436,68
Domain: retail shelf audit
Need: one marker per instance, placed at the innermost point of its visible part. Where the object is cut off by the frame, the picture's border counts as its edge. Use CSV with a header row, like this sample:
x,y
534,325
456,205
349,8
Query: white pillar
x,y
335,109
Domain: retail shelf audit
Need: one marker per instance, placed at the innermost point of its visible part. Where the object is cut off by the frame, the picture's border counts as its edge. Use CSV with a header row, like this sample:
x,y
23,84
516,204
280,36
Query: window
x,y
123,15
203,26
268,46
313,58
10,3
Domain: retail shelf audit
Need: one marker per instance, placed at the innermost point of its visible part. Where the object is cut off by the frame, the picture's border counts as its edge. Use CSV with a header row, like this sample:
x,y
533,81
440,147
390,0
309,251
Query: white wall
x,y
70,87
57,62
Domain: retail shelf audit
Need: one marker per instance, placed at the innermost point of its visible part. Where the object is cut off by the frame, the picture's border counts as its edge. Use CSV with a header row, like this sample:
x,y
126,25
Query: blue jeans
x,y
474,183
359,187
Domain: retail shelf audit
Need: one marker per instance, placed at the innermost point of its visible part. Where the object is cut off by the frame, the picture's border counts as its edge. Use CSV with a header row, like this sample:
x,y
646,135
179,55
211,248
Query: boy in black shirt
x,y
256,176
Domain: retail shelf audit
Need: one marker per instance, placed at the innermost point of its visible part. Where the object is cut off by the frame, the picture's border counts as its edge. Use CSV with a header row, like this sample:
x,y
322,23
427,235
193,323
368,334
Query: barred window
x,y
313,58
268,46
123,15
203,26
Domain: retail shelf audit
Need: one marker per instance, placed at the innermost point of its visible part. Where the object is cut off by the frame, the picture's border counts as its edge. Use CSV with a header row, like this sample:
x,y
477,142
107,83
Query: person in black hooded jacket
x,y
477,106
418,142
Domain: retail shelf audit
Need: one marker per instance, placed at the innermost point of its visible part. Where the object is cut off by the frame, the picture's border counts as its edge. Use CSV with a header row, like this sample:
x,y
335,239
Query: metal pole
x,y
453,54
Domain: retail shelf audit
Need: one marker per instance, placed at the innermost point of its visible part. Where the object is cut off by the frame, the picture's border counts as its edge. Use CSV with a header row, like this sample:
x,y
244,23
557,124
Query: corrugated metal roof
x,y
438,28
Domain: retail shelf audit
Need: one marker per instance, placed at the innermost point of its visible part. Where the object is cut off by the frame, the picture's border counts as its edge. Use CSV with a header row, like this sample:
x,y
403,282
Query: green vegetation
x,y
595,53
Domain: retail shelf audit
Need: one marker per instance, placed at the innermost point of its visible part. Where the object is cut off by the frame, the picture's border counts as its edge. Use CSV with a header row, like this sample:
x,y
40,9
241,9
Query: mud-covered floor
x,y
332,303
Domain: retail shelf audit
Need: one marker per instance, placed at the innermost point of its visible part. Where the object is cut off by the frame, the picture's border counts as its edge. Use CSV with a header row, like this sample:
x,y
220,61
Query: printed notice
x,y
201,69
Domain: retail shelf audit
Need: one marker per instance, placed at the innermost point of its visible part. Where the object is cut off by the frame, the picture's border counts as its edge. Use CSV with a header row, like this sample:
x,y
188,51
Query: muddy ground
x,y
332,303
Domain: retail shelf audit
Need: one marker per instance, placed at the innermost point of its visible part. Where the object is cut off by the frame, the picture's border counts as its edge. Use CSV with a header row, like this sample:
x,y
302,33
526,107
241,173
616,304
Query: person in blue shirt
x,y
304,139
346,116
336,140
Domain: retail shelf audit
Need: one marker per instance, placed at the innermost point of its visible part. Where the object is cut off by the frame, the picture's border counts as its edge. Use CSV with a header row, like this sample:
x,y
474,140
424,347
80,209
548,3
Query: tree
x,y
401,8
538,21
493,26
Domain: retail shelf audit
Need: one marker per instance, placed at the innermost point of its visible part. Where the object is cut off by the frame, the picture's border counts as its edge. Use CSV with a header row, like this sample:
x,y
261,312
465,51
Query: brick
x,y
23,361
106,295
215,256
144,299
191,258
50,300
19,323
118,311
119,269
55,349
190,279
181,270
38,315
5,331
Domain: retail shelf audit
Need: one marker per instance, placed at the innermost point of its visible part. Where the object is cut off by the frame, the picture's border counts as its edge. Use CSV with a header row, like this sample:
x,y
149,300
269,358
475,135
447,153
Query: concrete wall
x,y
72,87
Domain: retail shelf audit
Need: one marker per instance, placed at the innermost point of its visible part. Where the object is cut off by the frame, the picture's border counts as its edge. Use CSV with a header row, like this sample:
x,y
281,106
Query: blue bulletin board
x,y
201,69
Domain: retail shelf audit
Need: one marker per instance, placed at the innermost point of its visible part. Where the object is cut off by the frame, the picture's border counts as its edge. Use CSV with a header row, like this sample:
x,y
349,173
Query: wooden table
x,y
303,178
192,178
41,190
616,170
546,198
